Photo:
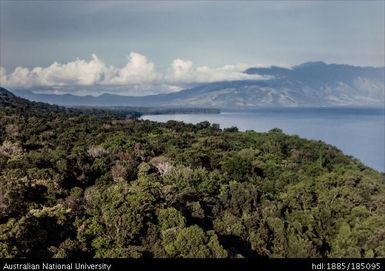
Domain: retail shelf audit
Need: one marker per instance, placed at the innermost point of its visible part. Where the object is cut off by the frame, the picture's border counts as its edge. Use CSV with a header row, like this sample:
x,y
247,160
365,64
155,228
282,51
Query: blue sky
x,y
202,36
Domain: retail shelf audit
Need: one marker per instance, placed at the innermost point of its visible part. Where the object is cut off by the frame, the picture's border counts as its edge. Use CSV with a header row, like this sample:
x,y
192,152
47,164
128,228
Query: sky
x,y
139,48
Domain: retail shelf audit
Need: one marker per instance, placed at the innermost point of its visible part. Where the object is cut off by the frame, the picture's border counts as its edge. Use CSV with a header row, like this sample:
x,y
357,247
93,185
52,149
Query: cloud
x,y
137,71
180,68
184,72
78,72
138,76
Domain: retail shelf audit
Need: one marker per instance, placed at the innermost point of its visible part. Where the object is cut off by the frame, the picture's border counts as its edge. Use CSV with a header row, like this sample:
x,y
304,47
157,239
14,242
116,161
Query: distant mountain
x,y
10,102
308,84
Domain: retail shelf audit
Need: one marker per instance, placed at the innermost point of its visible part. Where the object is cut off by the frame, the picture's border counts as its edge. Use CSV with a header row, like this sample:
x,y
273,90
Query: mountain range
x,y
308,84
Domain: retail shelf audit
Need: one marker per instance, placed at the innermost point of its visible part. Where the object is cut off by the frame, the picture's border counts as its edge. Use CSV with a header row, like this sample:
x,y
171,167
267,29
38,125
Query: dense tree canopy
x,y
85,184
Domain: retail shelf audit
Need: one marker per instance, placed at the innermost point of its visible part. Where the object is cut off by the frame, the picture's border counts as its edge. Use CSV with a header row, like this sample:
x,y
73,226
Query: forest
x,y
94,183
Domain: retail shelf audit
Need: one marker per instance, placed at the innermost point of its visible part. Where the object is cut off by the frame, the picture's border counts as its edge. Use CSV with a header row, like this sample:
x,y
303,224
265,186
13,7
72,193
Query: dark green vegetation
x,y
138,111
92,184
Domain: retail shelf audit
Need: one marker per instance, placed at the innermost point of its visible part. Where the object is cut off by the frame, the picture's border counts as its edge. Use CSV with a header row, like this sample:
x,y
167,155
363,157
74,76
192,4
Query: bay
x,y
359,132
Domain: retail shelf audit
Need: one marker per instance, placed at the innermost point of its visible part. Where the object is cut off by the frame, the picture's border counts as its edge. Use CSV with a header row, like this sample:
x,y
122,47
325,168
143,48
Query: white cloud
x,y
139,75
137,71
183,71
180,68
78,72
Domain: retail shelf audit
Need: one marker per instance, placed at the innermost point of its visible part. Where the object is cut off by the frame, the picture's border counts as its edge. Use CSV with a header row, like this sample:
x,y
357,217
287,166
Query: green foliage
x,y
170,218
193,242
93,184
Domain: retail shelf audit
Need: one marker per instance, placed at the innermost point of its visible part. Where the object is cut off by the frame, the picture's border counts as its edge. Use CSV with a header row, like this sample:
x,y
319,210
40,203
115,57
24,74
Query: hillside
x,y
310,84
10,102
92,185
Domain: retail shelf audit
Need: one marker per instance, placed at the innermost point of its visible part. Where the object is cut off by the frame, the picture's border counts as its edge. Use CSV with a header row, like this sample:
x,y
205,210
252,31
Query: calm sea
x,y
359,132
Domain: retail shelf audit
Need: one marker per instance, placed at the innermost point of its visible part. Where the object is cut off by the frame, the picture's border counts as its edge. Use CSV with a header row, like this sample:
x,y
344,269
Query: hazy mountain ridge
x,y
308,84
10,101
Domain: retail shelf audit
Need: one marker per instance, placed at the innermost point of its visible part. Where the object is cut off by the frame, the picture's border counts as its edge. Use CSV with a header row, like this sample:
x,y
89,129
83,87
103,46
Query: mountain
x,y
308,84
12,103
